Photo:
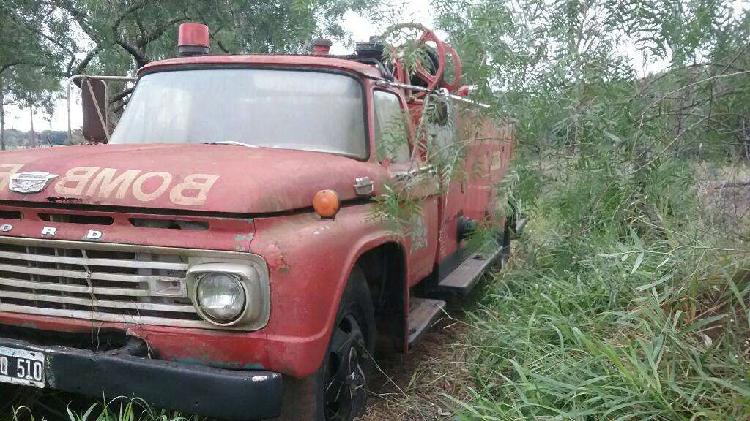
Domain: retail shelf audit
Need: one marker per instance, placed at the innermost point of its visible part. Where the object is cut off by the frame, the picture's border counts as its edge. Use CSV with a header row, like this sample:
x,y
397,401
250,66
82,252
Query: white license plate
x,y
18,366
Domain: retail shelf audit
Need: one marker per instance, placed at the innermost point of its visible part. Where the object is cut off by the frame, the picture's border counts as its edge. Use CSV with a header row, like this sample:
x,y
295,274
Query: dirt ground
x,y
415,386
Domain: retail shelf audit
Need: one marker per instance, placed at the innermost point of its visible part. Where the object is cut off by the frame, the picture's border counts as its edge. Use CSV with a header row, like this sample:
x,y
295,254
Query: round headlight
x,y
221,297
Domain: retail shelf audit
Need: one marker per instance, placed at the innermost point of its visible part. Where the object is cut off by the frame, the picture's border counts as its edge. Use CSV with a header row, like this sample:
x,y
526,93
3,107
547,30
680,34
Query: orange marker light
x,y
326,203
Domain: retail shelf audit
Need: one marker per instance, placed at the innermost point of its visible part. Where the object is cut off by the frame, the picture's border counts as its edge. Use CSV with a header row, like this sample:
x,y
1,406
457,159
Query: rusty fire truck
x,y
217,253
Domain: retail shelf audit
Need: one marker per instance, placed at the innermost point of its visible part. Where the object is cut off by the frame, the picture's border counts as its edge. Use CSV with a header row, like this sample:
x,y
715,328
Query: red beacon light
x,y
193,39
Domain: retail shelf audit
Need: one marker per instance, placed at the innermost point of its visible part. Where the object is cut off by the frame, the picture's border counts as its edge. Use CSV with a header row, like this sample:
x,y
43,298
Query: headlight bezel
x,y
253,278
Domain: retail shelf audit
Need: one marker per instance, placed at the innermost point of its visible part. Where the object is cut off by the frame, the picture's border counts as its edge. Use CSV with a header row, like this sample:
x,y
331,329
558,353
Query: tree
x,y
561,66
44,41
124,35
34,45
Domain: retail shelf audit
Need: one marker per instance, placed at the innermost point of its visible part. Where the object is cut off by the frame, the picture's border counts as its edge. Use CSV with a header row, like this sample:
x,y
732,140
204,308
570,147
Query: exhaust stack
x,y
321,47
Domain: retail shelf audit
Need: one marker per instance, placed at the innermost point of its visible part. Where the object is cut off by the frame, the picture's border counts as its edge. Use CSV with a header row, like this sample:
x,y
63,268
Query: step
x,y
465,276
422,312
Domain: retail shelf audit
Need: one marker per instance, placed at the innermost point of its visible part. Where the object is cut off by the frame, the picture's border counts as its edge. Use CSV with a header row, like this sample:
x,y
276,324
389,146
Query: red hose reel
x,y
433,78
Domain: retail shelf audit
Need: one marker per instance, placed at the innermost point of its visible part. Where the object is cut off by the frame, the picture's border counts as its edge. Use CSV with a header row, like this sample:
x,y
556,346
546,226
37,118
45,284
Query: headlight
x,y
220,296
234,294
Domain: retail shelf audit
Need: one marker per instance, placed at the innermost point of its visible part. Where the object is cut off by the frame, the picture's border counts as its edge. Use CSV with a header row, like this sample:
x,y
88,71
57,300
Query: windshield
x,y
289,109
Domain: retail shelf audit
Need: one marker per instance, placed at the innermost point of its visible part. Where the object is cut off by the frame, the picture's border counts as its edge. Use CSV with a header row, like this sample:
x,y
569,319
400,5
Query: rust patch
x,y
275,258
242,241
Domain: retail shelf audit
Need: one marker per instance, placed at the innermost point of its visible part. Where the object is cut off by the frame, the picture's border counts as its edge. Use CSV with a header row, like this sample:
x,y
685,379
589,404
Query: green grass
x,y
33,407
624,303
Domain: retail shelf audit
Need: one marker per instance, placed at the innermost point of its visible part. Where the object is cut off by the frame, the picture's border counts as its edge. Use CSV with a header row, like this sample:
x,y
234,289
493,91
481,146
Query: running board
x,y
463,278
422,312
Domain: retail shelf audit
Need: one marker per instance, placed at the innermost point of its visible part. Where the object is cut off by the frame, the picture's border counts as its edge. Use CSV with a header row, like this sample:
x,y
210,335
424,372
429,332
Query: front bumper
x,y
196,389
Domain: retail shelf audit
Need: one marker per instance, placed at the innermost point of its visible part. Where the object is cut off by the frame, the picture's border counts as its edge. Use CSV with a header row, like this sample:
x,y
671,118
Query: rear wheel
x,y
505,247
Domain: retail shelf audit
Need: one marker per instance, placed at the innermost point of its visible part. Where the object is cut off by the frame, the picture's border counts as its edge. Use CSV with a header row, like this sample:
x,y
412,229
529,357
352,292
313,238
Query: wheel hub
x,y
345,391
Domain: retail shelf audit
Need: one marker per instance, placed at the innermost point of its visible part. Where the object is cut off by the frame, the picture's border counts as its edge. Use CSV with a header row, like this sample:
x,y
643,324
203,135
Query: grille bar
x,y
100,282
17,283
113,277
104,317
141,264
96,303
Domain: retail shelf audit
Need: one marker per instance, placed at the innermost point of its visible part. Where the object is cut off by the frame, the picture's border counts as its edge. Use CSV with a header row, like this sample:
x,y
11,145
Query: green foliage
x,y
393,138
31,53
44,41
118,409
124,35
404,44
625,302
624,305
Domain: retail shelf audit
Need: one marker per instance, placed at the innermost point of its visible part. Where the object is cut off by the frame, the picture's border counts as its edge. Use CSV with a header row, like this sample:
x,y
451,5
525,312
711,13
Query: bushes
x,y
622,304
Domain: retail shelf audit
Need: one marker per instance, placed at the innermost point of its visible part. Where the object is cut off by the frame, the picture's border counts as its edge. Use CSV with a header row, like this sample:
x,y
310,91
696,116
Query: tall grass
x,y
622,304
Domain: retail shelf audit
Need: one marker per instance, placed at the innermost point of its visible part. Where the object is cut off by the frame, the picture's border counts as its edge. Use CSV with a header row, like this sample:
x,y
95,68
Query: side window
x,y
390,128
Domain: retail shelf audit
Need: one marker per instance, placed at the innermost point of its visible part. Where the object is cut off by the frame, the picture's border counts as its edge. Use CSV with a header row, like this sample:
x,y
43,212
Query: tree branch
x,y
85,62
132,9
159,31
139,56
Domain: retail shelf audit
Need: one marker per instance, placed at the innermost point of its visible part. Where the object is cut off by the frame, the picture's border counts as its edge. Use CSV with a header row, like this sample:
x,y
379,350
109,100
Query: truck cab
x,y
226,250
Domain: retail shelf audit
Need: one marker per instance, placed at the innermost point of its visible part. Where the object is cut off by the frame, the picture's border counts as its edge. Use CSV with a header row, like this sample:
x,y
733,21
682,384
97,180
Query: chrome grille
x,y
94,281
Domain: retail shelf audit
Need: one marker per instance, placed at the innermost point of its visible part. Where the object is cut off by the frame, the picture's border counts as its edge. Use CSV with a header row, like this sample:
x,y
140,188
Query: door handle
x,y
425,169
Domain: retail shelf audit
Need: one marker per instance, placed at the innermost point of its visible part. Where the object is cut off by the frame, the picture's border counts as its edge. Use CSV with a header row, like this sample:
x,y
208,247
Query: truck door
x,y
447,154
411,177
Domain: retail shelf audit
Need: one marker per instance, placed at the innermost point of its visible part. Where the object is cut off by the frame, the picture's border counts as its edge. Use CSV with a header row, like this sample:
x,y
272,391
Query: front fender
x,y
309,261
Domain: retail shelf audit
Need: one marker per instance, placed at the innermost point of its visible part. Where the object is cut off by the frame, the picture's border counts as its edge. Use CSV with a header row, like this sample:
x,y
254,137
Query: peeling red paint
x,y
275,258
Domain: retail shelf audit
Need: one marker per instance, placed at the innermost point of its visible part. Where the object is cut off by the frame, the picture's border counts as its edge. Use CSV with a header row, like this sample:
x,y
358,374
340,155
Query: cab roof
x,y
321,62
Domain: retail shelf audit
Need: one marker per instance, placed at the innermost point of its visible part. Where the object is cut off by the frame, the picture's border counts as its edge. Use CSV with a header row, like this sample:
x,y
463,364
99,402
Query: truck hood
x,y
206,178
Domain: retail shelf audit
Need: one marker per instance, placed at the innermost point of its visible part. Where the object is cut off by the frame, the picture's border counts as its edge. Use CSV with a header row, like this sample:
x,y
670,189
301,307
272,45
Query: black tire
x,y
338,391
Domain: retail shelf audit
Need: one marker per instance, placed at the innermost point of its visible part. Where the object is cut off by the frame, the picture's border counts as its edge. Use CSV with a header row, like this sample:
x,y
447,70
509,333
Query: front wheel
x,y
338,391
346,376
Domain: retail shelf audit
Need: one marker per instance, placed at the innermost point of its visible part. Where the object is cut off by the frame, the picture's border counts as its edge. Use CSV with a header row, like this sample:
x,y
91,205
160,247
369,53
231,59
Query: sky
x,y
360,27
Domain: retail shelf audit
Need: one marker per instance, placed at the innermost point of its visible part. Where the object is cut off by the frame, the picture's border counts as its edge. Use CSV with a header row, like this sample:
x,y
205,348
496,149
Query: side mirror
x,y
99,116
95,109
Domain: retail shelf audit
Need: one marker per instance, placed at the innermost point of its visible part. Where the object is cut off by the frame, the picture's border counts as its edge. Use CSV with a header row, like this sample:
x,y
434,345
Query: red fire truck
x,y
219,253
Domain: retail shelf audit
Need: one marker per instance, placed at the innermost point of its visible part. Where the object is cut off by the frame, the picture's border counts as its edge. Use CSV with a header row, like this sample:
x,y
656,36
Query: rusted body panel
x,y
487,162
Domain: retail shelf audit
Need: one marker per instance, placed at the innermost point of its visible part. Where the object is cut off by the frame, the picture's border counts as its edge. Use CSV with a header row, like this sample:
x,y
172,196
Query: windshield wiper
x,y
230,142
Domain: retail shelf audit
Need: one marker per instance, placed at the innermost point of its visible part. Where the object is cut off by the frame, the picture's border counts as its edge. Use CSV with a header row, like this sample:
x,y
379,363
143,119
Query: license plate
x,y
18,366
